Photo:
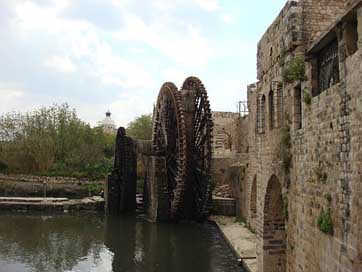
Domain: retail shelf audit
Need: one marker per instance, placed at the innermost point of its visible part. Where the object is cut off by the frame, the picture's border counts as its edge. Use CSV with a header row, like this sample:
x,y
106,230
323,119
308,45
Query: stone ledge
x,y
241,240
51,204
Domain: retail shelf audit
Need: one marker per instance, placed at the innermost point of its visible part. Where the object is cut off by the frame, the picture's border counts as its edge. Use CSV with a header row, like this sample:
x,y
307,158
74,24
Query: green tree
x,y
141,127
53,140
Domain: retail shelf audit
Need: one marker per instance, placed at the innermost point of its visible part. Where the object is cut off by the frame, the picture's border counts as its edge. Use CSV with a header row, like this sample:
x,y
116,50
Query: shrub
x,y
324,222
294,70
93,188
307,97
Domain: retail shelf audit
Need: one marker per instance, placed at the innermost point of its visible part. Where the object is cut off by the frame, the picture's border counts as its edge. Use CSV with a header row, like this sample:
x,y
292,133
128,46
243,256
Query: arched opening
x,y
274,240
271,110
253,213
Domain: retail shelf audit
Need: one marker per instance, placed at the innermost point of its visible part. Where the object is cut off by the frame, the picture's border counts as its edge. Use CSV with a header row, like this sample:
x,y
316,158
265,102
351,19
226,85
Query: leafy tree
x,y
54,141
141,127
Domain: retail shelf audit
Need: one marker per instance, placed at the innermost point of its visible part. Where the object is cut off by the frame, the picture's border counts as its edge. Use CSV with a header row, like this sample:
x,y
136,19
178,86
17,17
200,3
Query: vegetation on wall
x,y
307,97
284,148
294,69
54,141
324,222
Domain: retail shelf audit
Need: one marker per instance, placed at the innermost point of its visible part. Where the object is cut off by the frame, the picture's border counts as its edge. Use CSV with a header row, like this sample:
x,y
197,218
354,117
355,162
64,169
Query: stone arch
x,y
252,204
274,236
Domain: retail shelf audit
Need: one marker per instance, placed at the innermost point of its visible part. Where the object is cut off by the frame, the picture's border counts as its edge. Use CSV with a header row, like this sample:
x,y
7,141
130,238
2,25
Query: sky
x,y
99,55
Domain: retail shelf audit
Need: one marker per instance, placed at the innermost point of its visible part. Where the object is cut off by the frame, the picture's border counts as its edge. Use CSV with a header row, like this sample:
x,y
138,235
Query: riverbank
x,y
51,204
240,239
44,186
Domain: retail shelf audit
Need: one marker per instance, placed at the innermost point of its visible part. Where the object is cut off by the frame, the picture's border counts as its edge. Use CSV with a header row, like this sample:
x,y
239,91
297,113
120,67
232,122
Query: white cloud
x,y
127,107
9,98
151,43
185,46
174,75
208,5
81,47
10,94
61,64
227,18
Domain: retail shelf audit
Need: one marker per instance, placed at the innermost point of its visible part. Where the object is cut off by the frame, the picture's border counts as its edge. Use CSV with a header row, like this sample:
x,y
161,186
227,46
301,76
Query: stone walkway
x,y
241,240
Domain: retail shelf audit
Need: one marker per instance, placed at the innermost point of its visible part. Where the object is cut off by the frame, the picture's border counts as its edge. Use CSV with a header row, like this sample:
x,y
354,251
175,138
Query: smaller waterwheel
x,y
169,142
200,147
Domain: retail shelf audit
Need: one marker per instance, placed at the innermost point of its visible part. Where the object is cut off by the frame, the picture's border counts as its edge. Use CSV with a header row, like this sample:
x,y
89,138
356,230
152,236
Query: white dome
x,y
108,121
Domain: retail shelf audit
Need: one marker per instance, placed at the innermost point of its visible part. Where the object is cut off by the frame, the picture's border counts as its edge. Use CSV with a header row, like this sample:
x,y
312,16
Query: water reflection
x,y
91,242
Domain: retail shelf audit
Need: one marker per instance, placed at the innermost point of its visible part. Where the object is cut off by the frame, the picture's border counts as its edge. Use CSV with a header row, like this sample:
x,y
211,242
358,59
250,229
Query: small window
x,y
328,67
351,34
298,121
260,119
280,106
271,110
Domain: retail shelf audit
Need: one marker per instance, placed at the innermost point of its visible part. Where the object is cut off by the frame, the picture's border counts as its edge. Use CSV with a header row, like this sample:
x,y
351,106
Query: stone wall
x,y
319,15
40,186
304,159
284,34
224,126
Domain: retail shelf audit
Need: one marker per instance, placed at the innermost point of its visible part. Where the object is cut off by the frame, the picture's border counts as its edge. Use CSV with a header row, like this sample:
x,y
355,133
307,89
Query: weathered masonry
x,y
302,182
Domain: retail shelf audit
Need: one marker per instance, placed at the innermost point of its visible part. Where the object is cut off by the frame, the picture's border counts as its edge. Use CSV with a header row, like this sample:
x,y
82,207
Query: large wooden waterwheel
x,y
169,141
199,127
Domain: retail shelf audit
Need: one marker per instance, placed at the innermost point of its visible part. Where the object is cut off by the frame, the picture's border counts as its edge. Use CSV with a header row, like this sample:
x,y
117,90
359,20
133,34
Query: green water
x,y
93,242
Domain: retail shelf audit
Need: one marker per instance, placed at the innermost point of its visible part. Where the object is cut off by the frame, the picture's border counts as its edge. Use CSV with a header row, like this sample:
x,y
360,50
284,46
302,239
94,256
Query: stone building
x,y
224,127
108,125
224,151
302,183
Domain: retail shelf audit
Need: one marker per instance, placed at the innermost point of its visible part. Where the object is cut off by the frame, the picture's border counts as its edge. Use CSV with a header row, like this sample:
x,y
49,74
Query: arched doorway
x,y
274,238
253,213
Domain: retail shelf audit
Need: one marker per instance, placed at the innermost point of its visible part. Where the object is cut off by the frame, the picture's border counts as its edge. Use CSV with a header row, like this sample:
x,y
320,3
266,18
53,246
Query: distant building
x,y
108,124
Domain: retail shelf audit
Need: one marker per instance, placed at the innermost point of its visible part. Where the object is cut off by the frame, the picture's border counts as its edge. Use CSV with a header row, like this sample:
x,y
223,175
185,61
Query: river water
x,y
94,242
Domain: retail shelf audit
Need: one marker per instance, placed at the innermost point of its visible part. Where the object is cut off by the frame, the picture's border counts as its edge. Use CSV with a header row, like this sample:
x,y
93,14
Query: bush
x,y
93,188
294,70
54,141
307,97
324,222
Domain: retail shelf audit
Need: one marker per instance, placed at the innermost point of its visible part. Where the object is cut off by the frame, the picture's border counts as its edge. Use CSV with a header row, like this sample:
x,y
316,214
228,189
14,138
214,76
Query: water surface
x,y
94,242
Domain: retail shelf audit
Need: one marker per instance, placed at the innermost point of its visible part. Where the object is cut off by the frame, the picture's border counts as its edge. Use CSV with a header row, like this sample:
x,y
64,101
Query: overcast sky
x,y
115,54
